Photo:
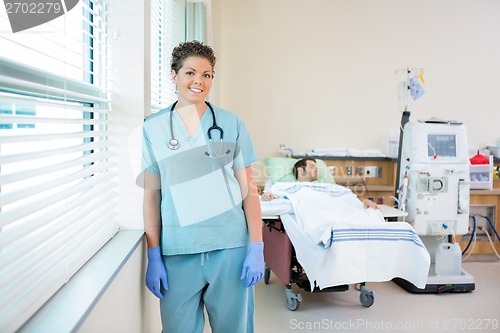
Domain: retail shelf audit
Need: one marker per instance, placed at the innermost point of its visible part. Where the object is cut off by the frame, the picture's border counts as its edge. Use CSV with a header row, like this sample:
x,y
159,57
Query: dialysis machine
x,y
433,189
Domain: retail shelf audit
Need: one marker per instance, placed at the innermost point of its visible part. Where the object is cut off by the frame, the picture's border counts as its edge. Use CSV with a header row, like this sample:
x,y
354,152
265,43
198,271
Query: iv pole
x,y
405,117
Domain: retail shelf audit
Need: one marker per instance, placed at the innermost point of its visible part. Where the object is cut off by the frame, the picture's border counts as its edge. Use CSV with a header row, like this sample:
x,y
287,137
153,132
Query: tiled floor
x,y
394,309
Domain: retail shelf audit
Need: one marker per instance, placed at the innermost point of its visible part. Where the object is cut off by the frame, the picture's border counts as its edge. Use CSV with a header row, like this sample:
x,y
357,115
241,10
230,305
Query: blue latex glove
x,y
156,272
253,266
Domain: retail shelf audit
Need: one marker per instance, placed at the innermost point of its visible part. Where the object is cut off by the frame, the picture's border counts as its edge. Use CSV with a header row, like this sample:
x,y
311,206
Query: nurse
x,y
202,215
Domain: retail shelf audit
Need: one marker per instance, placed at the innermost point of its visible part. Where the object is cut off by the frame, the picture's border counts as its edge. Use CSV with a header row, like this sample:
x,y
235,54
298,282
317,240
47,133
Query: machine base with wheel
x,y
441,284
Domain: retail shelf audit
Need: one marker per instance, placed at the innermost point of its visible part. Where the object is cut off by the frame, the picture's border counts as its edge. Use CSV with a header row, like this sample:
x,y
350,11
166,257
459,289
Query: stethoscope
x,y
174,144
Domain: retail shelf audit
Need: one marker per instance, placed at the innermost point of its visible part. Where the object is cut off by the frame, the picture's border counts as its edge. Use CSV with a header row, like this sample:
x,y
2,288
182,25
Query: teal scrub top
x,y
201,206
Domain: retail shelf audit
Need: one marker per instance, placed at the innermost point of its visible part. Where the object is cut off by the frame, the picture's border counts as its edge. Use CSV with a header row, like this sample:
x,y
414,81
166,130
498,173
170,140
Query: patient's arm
x,y
369,204
267,196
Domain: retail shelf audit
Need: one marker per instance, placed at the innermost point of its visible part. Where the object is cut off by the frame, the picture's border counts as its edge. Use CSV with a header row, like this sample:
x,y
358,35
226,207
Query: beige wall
x,y
321,74
314,73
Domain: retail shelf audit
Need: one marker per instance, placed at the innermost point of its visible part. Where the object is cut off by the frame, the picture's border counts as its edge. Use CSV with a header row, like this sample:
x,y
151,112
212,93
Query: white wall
x,y
120,308
127,306
131,96
320,74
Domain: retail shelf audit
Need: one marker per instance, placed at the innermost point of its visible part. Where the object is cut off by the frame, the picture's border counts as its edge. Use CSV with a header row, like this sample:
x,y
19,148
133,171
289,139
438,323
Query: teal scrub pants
x,y
211,280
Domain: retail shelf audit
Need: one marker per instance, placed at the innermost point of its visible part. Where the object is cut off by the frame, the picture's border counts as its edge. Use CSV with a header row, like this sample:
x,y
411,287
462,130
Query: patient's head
x,y
305,170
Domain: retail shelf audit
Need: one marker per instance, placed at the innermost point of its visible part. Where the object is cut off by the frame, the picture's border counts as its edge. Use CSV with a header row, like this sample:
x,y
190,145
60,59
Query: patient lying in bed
x,y
338,241
319,207
306,170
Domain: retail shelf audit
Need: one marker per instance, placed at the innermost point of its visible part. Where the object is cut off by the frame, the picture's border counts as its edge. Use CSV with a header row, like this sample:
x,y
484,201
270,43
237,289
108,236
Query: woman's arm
x,y
251,203
151,209
253,266
156,274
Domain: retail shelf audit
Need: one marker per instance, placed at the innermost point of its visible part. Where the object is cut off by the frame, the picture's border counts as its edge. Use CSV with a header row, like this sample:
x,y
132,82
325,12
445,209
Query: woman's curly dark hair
x,y
191,49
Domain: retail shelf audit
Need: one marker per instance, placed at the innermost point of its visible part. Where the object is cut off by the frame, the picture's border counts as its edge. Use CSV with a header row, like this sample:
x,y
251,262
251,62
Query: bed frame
x,y
279,256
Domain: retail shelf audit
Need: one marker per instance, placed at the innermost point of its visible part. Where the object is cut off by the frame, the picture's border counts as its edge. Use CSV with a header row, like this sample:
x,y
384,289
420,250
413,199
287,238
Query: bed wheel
x,y
292,299
366,297
292,304
267,275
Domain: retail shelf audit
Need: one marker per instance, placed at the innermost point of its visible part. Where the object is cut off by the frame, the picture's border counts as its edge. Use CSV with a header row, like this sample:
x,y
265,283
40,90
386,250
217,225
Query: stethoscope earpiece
x,y
218,155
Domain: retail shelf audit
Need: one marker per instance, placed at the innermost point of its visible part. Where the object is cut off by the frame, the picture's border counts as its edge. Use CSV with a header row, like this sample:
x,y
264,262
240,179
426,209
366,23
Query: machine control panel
x,y
435,168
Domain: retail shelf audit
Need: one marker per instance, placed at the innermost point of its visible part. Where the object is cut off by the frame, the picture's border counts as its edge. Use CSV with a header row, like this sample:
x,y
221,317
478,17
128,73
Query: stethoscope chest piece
x,y
173,144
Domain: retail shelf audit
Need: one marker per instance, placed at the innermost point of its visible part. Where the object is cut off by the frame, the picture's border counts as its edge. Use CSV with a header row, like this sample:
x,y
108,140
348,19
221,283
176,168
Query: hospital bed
x,y
351,252
280,257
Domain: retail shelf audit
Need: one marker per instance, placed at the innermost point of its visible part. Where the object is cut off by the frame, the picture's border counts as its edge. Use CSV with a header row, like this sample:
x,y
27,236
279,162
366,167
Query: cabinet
x,y
370,178
357,174
480,201
491,199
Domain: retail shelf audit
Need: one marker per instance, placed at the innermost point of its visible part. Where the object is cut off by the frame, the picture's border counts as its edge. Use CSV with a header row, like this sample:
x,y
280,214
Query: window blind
x,y
57,189
196,25
167,31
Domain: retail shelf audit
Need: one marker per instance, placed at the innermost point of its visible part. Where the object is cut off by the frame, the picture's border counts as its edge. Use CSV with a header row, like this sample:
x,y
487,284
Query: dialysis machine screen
x,y
441,145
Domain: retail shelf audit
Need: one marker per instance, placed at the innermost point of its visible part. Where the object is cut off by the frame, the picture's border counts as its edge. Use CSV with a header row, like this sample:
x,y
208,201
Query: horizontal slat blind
x,y
158,50
57,183
198,26
196,21
165,26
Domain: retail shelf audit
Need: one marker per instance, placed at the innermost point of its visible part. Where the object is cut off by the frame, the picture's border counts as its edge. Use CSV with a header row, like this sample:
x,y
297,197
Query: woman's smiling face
x,y
193,80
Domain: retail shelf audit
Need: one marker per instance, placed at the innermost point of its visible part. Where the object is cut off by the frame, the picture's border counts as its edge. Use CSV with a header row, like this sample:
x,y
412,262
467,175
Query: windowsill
x,y
69,307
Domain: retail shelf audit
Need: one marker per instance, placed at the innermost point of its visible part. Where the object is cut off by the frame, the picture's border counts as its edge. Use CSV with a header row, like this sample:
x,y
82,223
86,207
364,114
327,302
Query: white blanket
x,y
337,241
